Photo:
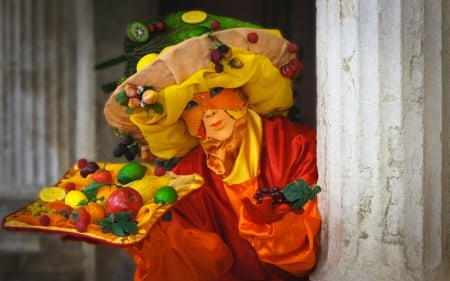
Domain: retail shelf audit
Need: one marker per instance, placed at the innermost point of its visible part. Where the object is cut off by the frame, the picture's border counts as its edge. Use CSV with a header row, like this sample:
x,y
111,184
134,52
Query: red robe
x,y
204,240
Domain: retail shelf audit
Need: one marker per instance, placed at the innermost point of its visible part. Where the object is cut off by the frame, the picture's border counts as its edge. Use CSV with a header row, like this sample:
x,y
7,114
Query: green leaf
x,y
123,216
295,190
130,227
158,108
120,225
314,191
117,230
122,98
91,190
128,111
299,193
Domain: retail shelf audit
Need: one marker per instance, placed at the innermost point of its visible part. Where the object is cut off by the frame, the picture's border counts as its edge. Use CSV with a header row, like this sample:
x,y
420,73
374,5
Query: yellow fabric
x,y
259,79
246,167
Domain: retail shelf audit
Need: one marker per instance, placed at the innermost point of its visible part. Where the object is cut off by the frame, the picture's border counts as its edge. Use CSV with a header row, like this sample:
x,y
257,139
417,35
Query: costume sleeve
x,y
290,243
172,252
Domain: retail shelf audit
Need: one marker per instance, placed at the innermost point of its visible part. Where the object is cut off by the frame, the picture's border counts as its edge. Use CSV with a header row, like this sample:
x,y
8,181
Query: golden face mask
x,y
214,112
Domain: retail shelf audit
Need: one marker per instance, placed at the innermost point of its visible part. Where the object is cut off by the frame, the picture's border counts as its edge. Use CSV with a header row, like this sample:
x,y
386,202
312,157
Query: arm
x,y
289,240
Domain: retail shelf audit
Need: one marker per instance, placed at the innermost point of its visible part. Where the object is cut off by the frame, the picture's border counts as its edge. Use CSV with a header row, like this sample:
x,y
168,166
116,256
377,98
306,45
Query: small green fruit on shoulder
x,y
166,195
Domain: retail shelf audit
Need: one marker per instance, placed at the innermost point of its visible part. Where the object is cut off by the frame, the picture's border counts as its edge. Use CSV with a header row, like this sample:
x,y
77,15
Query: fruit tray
x,y
108,204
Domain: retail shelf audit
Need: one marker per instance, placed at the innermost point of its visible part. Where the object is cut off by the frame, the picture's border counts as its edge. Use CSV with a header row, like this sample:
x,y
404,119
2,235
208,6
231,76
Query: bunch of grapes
x,y
128,148
87,167
38,208
274,192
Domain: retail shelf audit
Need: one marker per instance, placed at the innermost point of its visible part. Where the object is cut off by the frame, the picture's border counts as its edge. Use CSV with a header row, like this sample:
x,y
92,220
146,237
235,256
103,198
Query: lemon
x,y
145,60
195,16
166,195
52,193
75,198
148,185
131,171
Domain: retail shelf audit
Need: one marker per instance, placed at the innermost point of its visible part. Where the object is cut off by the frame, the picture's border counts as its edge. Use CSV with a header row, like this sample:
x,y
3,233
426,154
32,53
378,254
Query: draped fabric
x,y
209,239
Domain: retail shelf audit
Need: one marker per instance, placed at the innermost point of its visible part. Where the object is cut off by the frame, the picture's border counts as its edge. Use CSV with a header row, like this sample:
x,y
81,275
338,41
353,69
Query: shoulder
x,y
280,127
191,162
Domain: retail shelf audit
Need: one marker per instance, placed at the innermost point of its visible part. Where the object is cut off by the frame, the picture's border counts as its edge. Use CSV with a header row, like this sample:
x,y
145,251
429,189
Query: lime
x,y
194,16
75,198
52,193
131,171
166,195
148,185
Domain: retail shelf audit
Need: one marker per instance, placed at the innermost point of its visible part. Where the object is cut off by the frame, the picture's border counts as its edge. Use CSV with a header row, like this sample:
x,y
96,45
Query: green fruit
x,y
131,171
138,32
197,31
192,32
166,195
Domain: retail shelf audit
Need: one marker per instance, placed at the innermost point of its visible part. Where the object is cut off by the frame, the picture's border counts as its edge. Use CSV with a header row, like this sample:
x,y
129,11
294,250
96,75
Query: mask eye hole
x,y
215,91
191,105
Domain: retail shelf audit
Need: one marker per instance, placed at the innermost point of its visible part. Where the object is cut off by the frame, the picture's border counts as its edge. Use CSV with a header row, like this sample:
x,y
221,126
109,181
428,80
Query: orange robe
x,y
208,238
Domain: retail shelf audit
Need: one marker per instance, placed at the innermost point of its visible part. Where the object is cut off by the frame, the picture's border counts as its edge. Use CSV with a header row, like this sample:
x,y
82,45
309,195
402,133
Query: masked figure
x,y
224,115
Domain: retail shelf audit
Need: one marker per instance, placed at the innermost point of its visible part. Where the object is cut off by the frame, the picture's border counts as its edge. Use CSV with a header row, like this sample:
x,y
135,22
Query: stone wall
x,y
383,135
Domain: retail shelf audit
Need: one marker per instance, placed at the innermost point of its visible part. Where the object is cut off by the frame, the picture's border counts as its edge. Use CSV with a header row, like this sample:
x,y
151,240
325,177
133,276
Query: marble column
x,y
383,140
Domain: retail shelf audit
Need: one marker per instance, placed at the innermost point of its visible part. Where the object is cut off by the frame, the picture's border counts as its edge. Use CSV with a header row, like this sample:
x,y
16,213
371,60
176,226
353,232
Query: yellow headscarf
x,y
186,68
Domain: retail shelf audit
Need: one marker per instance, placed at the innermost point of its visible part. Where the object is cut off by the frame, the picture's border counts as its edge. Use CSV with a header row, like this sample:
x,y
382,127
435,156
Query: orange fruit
x,y
59,205
96,211
103,194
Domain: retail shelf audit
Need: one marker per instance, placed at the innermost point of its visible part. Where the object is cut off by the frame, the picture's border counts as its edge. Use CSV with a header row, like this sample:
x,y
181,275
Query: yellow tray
x,y
150,212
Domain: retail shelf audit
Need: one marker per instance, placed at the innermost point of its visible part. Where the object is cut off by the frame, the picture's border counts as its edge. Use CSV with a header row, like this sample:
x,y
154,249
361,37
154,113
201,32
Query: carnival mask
x,y
213,114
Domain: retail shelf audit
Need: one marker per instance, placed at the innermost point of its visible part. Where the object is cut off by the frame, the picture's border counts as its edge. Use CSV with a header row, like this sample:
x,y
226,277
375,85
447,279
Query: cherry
x,y
252,37
215,24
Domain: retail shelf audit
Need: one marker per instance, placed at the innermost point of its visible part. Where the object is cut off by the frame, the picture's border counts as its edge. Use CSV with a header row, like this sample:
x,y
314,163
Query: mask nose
x,y
210,113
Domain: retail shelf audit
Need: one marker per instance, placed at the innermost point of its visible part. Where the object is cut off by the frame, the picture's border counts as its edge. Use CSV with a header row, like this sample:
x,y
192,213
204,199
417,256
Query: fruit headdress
x,y
172,58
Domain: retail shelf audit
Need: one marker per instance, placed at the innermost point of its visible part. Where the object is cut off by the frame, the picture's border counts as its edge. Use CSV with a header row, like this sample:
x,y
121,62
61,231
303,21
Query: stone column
x,y
383,134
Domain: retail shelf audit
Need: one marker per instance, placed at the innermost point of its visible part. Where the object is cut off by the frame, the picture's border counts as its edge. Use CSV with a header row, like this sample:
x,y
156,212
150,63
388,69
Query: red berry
x,y
292,48
81,226
216,55
80,215
215,24
218,67
81,163
296,66
44,220
286,70
159,171
252,37
152,27
161,26
70,186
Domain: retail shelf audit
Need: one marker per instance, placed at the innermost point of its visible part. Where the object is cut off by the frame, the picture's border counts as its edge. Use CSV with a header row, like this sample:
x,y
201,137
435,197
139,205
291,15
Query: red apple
x,y
125,199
